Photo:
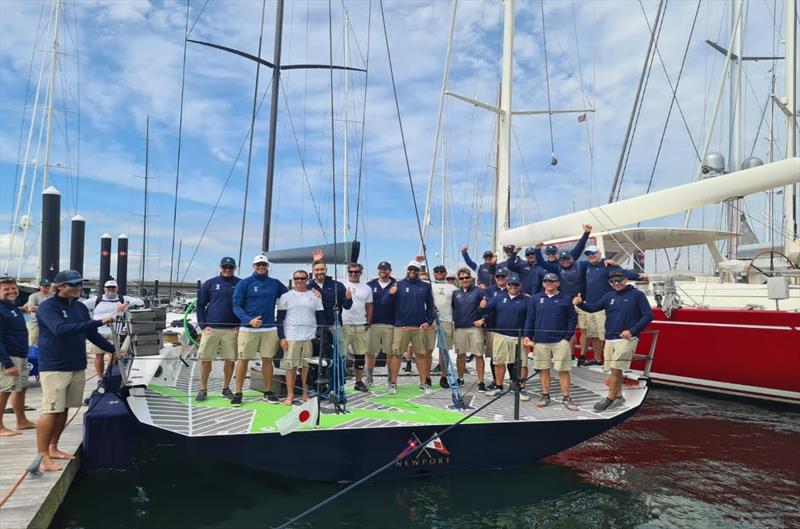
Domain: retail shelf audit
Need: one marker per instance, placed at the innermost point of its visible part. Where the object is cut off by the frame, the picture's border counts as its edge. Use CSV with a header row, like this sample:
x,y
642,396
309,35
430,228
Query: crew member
x,y
64,327
468,337
13,356
45,291
355,319
549,326
220,326
500,286
381,327
528,270
110,303
597,275
413,300
627,314
508,310
299,313
552,261
486,270
254,300
443,300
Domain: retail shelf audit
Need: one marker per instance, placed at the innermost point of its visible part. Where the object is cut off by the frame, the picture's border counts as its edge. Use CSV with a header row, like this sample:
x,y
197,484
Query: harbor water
x,y
684,461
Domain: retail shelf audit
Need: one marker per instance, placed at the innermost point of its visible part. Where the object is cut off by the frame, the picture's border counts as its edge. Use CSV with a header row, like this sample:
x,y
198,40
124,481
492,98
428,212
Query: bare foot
x,y
58,454
47,465
5,432
26,425
288,401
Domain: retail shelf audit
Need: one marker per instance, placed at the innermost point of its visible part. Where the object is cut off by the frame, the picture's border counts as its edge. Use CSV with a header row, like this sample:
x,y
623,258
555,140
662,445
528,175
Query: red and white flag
x,y
581,118
300,417
438,445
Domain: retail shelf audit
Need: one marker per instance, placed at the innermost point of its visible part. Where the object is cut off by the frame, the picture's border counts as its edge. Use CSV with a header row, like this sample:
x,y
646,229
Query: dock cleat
x,y
602,405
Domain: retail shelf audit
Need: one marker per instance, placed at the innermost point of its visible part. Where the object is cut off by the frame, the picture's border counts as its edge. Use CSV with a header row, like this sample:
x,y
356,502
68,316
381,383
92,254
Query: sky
x,y
121,62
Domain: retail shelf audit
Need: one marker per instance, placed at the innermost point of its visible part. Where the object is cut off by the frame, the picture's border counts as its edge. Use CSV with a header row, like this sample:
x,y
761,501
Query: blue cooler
x,y
33,361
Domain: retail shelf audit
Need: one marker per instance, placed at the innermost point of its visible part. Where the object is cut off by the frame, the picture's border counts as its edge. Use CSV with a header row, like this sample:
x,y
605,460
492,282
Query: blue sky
x,y
129,56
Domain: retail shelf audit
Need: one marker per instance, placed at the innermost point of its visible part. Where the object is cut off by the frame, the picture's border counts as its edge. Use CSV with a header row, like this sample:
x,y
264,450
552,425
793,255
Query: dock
x,y
35,501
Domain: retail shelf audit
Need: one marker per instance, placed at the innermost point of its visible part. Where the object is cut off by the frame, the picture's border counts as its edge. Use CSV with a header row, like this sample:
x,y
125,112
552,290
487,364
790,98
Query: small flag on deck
x,y
582,118
438,445
303,416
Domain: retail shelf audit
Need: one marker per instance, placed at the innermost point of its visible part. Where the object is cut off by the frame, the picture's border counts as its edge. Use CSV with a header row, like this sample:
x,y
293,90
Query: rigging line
x,y
760,122
673,100
178,161
333,154
303,164
402,135
525,170
547,82
78,105
658,28
224,186
252,128
189,31
363,118
616,183
353,33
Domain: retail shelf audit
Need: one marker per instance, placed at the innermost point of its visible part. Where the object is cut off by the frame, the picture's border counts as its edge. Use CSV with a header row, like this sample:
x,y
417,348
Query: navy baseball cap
x,y
439,268
488,253
513,279
530,250
508,248
227,261
68,276
44,283
616,273
551,249
385,264
501,272
550,277
564,254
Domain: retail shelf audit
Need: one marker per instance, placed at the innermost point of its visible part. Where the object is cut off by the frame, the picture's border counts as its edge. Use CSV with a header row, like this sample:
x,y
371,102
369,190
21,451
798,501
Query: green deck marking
x,y
267,414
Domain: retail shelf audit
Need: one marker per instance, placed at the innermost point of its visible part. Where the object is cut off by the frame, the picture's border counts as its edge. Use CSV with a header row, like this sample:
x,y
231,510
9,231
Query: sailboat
x,y
422,434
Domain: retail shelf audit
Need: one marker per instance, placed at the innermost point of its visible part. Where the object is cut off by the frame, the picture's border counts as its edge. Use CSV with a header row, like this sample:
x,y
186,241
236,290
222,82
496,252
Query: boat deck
x,y
175,408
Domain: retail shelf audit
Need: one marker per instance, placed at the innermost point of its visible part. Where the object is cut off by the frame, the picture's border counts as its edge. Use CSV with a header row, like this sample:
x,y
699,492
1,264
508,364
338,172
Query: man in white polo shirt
x,y
443,299
300,311
355,320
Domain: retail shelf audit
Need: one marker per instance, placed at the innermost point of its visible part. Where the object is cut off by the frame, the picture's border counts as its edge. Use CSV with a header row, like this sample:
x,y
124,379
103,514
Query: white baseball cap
x,y
110,283
260,259
415,264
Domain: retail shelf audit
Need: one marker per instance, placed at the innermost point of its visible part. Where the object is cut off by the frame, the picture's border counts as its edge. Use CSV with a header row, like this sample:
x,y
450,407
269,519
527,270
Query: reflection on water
x,y
684,461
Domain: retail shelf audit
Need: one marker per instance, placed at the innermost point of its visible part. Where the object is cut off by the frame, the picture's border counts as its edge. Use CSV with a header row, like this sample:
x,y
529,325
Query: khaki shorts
x,y
92,349
9,383
548,355
33,332
379,338
355,336
430,335
213,341
255,344
505,349
489,350
618,354
62,390
469,340
409,335
296,354
594,324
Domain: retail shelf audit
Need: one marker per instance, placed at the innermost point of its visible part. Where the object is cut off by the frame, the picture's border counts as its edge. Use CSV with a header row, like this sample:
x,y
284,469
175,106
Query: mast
x,y
273,122
504,136
144,219
345,197
790,67
51,92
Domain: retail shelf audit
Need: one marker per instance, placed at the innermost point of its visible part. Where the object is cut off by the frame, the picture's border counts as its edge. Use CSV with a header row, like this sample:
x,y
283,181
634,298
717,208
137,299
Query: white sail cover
x,y
658,204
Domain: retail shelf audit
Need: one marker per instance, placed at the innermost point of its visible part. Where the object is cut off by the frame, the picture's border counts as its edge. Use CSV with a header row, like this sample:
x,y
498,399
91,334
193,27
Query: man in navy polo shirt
x,y
381,327
13,356
486,270
220,326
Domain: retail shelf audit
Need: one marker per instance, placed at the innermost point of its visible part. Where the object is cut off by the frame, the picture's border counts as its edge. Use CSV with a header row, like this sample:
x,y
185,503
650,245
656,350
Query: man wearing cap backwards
x,y
413,302
355,319
486,270
381,327
509,310
110,303
299,314
13,356
468,337
254,300
220,326
45,291
597,272
64,327
549,325
443,300
627,314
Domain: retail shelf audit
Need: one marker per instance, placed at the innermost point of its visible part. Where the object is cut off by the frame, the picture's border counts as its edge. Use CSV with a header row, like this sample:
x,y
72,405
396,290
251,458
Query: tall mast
x,y
273,122
345,197
144,216
51,92
732,205
504,136
790,67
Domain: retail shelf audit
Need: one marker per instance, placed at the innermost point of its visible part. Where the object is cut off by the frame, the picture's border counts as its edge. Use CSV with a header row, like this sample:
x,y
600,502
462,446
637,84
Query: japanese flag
x,y
438,445
303,416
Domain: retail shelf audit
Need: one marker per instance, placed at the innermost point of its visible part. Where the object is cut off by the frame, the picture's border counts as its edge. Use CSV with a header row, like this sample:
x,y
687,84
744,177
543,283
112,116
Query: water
x,y
684,460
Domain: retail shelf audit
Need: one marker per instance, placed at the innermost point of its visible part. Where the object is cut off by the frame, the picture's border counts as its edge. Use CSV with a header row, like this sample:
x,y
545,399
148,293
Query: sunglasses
x,y
110,288
261,264
500,276
354,272
616,281
411,269
78,284
300,278
229,267
513,284
465,278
